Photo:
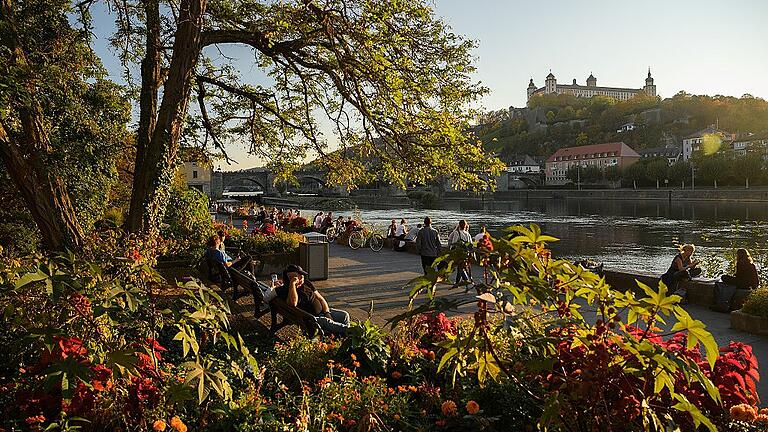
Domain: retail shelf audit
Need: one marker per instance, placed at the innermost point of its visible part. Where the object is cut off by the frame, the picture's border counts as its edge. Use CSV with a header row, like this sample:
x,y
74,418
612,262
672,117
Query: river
x,y
624,235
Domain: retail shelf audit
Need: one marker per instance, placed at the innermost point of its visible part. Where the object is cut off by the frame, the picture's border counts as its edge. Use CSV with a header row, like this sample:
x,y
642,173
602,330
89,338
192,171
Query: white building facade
x,y
591,89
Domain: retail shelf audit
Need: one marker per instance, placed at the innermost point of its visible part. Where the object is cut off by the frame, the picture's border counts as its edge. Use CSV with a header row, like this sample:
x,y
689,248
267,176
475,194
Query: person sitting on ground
x,y
413,233
327,222
392,229
350,224
746,273
297,291
402,230
268,228
683,268
317,222
481,235
746,278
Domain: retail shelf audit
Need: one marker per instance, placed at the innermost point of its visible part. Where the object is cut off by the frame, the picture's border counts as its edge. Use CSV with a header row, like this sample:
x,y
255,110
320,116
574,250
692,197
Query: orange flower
x,y
356,364
396,375
473,407
396,417
449,408
764,411
179,425
158,425
431,355
763,418
353,357
743,412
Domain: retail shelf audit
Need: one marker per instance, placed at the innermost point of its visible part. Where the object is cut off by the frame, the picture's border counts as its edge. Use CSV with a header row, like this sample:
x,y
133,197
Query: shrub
x,y
757,303
85,341
187,216
278,243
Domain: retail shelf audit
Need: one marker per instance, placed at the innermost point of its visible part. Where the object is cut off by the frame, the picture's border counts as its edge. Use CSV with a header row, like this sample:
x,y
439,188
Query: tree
x,y
392,79
582,139
657,169
680,172
60,123
710,169
749,168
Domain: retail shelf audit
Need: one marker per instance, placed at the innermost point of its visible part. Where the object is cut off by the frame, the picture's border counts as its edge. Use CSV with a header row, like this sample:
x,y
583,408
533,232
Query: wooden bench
x,y
291,315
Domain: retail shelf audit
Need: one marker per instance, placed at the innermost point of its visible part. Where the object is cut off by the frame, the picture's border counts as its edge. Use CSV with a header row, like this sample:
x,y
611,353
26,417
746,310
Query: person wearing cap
x,y
298,291
428,244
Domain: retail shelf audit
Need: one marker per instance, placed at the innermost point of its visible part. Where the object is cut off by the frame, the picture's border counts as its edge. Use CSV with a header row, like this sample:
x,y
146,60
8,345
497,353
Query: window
x,y
194,174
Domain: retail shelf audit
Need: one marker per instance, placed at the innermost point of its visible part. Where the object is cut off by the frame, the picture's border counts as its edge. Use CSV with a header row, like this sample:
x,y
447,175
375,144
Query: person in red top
x,y
268,228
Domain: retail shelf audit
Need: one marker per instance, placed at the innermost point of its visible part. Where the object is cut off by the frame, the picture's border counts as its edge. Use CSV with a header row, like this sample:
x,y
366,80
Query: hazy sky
x,y
702,47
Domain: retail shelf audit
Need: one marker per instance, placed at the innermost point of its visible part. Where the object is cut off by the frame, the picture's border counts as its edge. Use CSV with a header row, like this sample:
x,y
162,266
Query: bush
x,y
187,223
86,342
279,243
757,303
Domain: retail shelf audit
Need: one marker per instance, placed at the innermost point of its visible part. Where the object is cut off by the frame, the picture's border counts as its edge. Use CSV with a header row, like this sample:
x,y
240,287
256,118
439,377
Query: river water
x,y
624,235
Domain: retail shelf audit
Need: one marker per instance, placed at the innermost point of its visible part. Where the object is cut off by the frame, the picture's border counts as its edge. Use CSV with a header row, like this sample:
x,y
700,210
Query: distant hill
x,y
554,121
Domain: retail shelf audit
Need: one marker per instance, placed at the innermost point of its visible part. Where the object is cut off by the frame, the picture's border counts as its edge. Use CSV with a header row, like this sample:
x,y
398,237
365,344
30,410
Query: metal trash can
x,y
313,255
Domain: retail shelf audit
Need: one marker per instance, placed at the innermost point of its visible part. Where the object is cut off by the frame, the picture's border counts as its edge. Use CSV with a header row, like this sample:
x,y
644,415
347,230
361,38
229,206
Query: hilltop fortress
x,y
591,89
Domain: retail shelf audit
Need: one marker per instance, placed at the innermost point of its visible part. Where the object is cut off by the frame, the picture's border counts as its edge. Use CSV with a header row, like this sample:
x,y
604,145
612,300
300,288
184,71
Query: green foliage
x,y
757,303
83,332
280,242
424,199
187,215
579,323
368,343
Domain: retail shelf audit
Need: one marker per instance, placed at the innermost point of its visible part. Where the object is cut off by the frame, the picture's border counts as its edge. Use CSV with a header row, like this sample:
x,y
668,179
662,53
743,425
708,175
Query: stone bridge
x,y
262,180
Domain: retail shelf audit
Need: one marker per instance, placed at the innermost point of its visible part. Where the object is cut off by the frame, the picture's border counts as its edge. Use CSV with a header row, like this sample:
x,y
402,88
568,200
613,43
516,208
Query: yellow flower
x,y
449,408
473,407
159,425
179,425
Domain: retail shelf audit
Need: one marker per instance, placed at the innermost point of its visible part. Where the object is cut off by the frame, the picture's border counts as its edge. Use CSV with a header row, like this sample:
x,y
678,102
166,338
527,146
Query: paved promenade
x,y
357,277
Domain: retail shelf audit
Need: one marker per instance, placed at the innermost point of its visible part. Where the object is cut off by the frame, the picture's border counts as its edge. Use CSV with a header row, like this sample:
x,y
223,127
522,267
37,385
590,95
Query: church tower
x,y
650,88
531,88
550,84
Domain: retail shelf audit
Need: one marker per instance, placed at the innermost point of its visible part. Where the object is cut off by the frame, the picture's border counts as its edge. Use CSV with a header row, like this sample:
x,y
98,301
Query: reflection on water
x,y
625,235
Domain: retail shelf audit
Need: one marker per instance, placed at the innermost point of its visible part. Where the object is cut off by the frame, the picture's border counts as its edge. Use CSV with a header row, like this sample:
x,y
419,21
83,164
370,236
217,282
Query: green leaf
x,y
696,333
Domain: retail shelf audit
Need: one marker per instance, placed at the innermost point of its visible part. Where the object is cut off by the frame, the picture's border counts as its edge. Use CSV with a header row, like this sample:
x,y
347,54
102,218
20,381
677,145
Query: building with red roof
x,y
616,154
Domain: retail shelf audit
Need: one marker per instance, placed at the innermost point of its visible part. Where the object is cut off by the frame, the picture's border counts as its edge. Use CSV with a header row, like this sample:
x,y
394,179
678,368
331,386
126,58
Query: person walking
x,y
428,244
460,237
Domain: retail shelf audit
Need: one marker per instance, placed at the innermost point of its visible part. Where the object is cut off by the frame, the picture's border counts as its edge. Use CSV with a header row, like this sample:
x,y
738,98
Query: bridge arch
x,y
241,180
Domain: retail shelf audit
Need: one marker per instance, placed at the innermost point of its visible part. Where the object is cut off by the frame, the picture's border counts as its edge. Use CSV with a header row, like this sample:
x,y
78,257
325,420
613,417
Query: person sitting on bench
x,y
216,254
683,268
298,291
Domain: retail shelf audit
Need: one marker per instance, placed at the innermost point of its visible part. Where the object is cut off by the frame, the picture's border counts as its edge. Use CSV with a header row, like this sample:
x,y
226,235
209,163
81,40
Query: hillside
x,y
554,121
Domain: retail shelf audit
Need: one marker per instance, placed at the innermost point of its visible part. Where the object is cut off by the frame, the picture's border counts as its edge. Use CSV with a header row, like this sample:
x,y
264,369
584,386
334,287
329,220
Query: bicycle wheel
x,y
330,234
376,242
356,240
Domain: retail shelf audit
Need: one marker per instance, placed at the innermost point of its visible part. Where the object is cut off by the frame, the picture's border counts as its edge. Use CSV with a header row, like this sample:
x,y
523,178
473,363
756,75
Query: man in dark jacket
x,y
428,244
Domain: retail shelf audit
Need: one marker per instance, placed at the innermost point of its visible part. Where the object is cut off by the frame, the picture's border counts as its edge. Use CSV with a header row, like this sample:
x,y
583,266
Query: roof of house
x,y
521,160
621,149
705,131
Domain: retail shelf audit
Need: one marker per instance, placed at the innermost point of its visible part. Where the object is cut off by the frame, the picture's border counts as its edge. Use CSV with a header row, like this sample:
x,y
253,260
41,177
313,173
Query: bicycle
x,y
362,237
333,232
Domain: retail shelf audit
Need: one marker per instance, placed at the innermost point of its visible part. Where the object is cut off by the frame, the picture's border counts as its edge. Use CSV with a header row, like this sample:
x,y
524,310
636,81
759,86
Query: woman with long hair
x,y
746,272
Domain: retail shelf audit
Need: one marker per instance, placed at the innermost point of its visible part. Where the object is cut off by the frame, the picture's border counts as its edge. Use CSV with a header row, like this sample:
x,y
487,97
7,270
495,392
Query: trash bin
x,y
313,256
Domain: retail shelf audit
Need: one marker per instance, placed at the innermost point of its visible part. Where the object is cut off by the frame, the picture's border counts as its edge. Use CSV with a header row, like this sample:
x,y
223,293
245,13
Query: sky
x,y
701,47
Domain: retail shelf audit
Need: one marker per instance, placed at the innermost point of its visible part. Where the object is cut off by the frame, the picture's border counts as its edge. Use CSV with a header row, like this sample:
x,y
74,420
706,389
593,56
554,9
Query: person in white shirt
x,y
481,234
402,230
413,233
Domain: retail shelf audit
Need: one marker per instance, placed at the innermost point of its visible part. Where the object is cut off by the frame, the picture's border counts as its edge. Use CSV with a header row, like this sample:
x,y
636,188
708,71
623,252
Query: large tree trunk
x,y
154,165
24,155
45,195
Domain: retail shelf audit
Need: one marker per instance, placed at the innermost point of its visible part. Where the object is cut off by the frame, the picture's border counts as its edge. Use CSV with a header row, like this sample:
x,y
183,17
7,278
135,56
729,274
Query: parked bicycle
x,y
364,237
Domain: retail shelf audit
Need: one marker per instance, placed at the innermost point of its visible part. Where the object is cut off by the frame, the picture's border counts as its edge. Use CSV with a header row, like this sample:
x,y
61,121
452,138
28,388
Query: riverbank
x,y
674,195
